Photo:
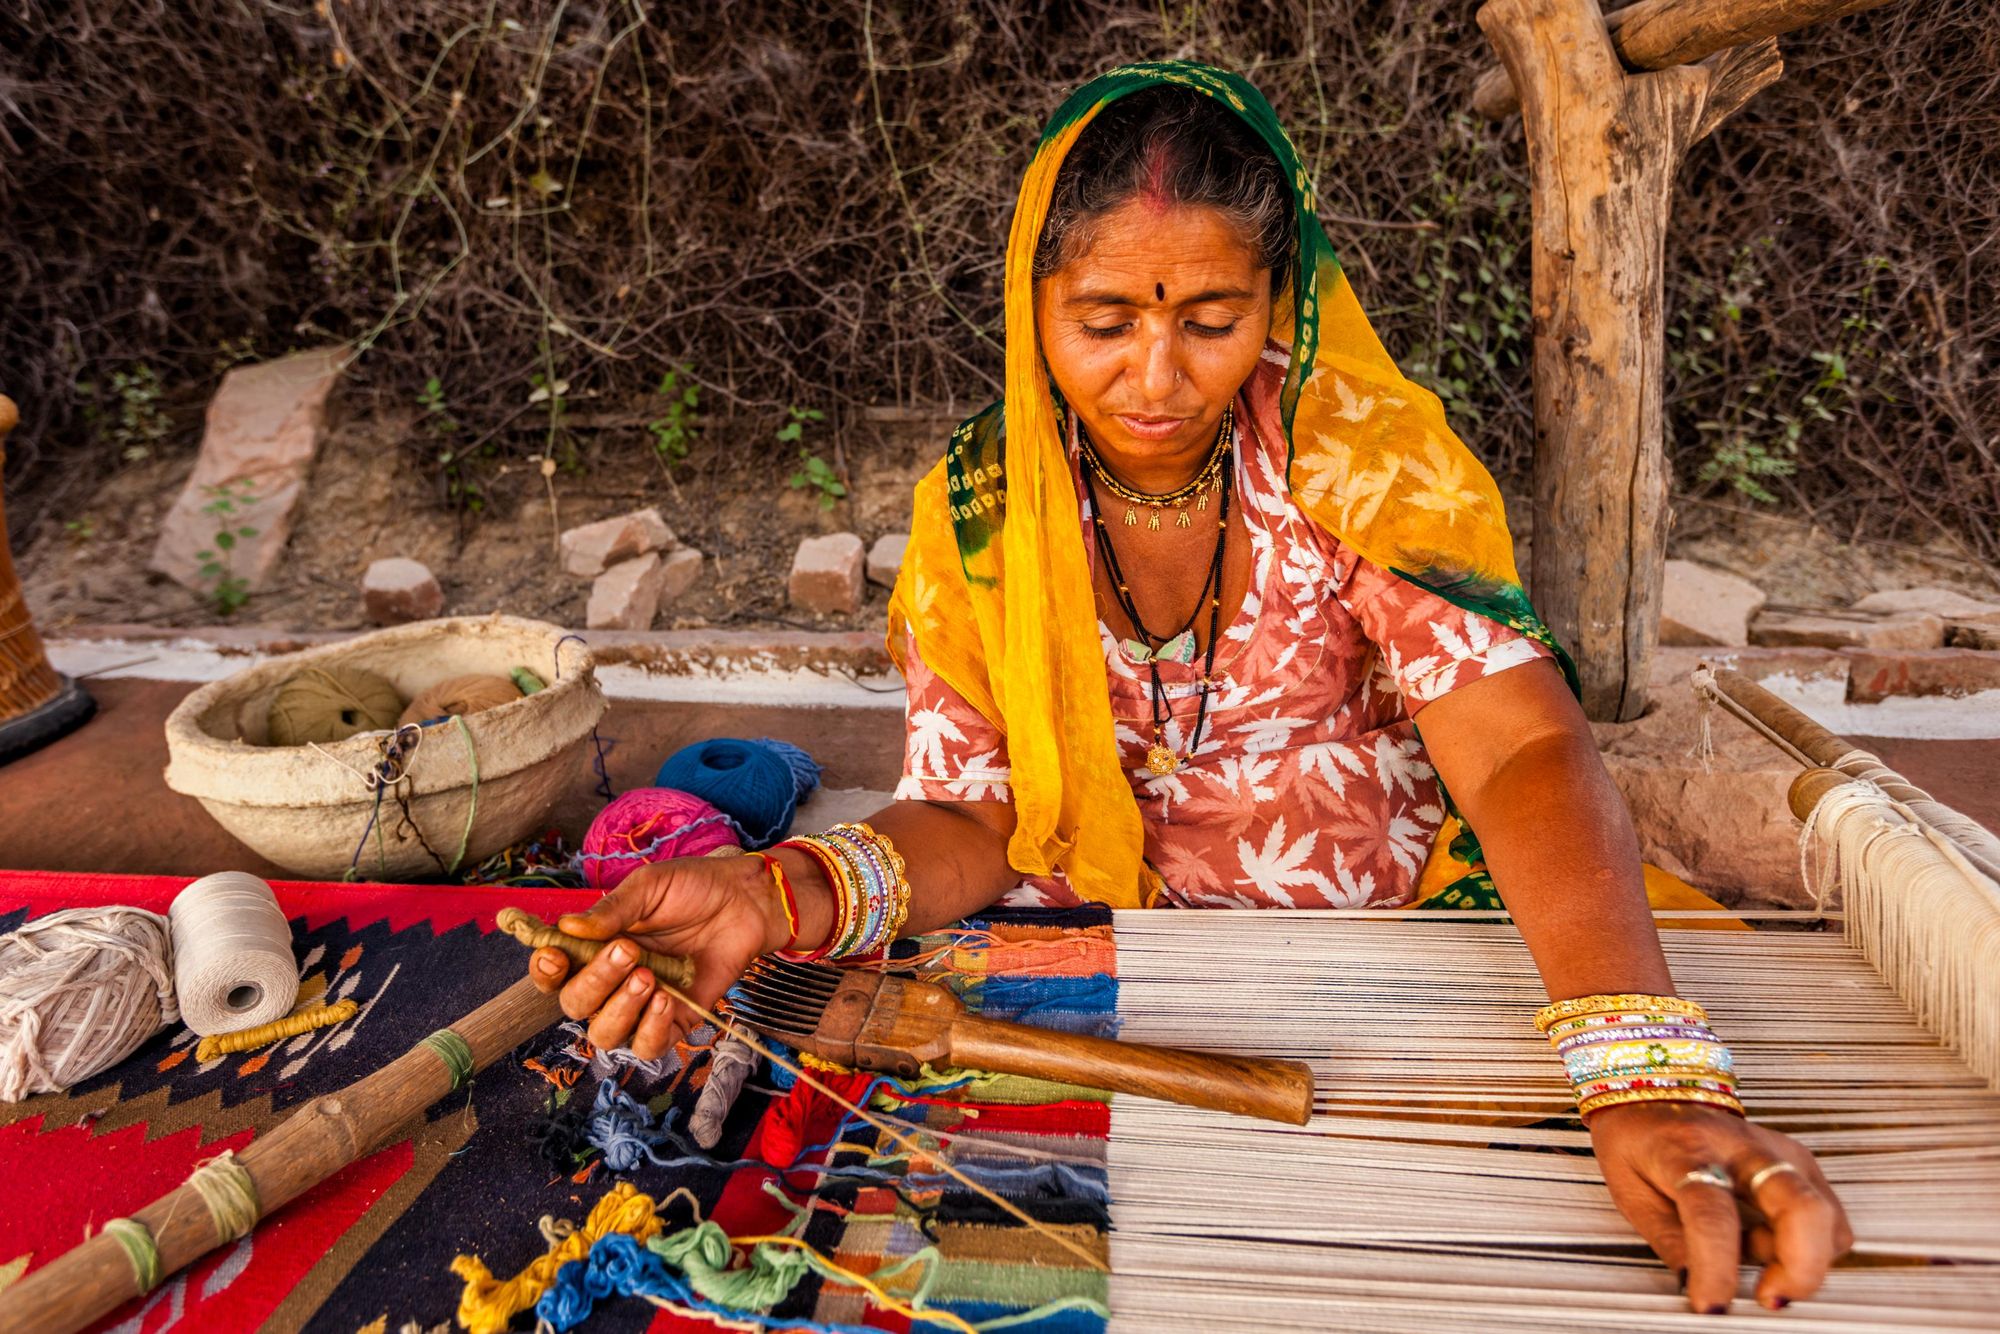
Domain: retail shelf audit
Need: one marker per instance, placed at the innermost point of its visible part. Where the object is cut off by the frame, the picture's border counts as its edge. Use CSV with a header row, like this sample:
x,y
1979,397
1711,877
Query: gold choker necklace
x,y
1205,482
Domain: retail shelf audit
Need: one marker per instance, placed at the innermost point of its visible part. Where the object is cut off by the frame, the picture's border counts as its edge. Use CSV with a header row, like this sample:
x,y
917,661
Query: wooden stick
x,y
1816,748
321,1137
1655,34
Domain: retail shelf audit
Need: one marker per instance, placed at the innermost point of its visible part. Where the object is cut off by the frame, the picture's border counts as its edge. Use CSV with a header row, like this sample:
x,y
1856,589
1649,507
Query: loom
x,y
1444,1181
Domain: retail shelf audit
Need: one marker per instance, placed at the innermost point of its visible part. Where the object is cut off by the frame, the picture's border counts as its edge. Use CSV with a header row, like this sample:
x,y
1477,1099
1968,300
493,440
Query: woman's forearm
x,y
1560,847
954,853
1517,756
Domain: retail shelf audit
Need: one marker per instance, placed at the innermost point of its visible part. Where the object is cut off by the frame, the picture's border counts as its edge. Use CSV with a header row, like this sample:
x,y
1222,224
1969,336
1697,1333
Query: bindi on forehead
x,y
1159,291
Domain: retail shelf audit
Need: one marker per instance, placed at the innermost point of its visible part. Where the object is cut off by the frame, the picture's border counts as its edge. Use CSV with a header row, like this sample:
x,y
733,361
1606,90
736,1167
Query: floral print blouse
x,y
1309,788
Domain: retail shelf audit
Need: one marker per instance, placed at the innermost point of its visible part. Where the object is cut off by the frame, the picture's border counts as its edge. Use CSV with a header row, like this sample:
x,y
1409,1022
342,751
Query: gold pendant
x,y
1154,522
1185,521
1202,503
1161,760
1131,516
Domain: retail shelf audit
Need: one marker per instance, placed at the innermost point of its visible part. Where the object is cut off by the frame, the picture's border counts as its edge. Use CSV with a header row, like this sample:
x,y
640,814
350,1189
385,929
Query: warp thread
x,y
488,1304
331,704
729,1065
536,934
79,991
300,1021
651,824
457,696
759,784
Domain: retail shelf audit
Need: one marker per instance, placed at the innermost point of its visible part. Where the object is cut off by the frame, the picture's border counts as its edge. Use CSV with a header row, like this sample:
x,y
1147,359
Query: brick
x,y
1846,630
590,549
397,589
827,575
627,596
885,558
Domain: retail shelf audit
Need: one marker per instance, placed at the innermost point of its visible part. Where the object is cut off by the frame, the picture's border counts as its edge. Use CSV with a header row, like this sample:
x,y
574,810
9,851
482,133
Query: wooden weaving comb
x,y
880,1021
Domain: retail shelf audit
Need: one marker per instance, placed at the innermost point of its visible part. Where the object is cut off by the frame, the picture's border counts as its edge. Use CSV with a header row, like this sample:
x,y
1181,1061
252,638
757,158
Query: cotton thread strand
x,y
532,932
305,1021
536,934
225,1186
137,1243
454,1051
472,808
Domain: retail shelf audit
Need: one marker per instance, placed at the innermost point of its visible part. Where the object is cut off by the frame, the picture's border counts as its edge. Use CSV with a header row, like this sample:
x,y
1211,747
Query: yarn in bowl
x,y
459,696
758,784
651,824
331,703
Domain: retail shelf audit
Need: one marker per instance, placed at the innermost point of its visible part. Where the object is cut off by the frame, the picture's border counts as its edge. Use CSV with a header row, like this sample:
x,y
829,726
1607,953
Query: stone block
x,y
1834,629
1701,606
627,596
885,558
397,589
1948,603
679,569
827,575
590,549
1875,675
257,450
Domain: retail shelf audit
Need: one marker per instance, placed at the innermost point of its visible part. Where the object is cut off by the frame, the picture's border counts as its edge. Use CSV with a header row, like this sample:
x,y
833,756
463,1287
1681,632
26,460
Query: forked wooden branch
x,y
1656,34
321,1137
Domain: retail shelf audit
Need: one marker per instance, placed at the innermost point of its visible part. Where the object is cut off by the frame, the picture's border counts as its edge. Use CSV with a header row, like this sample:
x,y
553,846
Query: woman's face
x,y
1151,332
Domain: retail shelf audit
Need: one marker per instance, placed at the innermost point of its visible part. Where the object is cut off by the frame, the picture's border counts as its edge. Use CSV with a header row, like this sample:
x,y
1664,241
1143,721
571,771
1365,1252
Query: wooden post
x,y
1603,149
37,704
1654,34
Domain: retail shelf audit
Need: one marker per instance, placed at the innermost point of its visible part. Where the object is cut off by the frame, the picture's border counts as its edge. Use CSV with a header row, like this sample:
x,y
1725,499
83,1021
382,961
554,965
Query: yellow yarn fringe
x,y
488,1304
299,1021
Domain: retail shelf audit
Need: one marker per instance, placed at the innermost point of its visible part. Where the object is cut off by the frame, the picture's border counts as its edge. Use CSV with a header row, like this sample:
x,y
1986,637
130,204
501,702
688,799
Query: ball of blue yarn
x,y
757,783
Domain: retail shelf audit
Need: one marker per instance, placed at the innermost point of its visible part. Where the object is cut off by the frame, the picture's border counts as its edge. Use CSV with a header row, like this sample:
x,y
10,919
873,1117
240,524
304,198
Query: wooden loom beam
x,y
321,1137
1655,34
1603,149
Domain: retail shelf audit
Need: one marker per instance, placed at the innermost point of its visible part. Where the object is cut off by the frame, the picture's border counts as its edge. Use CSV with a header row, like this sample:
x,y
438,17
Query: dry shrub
x,y
522,220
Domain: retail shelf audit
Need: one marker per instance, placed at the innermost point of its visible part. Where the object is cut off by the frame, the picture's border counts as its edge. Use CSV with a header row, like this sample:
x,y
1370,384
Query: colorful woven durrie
x,y
562,1185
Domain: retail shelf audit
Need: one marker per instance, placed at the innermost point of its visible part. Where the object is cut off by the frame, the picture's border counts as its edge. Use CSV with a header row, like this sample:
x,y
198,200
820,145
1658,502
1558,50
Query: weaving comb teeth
x,y
882,1021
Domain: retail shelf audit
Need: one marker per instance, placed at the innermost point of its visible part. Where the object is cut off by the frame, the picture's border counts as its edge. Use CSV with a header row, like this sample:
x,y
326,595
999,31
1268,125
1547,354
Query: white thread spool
x,y
233,964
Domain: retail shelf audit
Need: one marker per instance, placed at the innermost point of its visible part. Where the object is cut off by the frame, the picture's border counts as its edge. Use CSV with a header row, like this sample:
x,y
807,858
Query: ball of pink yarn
x,y
651,824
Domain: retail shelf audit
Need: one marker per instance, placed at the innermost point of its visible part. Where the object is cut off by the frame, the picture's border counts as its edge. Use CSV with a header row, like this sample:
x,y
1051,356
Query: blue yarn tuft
x,y
758,784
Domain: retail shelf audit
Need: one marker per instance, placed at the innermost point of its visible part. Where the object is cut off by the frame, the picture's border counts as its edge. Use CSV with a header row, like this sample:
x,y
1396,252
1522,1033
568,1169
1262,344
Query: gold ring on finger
x,y
1708,1175
1769,1170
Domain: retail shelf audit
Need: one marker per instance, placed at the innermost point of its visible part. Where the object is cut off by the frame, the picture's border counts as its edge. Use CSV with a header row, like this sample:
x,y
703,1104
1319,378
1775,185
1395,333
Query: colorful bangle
x,y
835,881
1549,1015
1625,1048
871,891
1726,1101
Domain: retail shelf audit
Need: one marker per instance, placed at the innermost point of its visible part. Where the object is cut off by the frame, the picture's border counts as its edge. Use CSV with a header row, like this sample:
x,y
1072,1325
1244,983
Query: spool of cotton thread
x,y
233,964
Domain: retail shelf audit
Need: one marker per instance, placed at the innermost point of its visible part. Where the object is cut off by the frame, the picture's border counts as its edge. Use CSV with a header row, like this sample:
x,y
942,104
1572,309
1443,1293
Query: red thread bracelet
x,y
787,899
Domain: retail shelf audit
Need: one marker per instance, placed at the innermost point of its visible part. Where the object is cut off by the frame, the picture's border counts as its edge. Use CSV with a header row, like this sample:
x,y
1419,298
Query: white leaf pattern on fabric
x,y
1310,788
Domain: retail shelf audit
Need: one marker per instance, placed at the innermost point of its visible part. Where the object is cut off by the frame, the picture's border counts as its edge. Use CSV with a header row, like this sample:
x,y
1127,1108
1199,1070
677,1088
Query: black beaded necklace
x,y
1161,758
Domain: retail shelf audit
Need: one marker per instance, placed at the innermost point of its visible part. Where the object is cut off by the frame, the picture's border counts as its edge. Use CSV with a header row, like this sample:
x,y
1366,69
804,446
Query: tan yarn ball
x,y
461,695
79,991
331,704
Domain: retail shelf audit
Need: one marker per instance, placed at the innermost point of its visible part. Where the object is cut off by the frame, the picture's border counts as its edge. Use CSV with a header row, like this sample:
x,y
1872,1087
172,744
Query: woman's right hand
x,y
721,912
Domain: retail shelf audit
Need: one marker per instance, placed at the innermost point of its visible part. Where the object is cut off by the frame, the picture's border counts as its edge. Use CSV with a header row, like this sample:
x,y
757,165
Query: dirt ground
x,y
369,498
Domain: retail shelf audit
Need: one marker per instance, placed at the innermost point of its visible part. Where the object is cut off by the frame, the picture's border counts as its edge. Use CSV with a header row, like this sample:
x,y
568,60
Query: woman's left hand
x,y
1703,1186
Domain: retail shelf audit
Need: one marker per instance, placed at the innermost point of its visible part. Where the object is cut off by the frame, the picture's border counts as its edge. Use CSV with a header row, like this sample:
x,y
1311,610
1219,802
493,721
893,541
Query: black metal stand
x,y
71,708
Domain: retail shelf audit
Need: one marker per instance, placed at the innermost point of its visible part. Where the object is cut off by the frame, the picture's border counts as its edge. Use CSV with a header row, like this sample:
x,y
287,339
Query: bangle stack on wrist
x,y
870,894
1632,1048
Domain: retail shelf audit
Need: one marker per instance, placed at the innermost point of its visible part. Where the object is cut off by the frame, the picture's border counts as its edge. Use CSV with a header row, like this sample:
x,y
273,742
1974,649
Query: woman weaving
x,y
1171,618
